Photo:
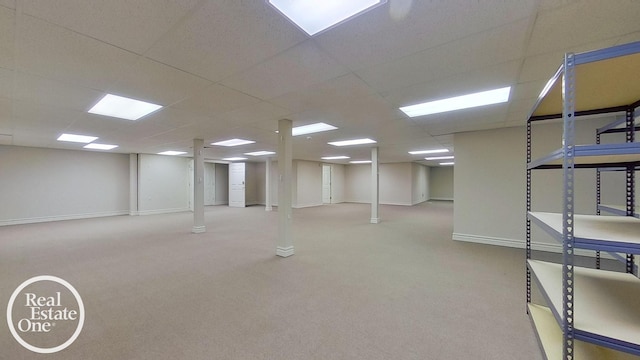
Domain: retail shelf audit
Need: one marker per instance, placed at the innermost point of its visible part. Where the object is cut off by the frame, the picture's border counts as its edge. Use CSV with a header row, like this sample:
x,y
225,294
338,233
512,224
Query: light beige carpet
x,y
401,289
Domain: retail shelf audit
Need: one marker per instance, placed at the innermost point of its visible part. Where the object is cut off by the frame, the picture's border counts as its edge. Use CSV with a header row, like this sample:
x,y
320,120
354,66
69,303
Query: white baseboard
x,y
440,199
162,211
520,244
62,218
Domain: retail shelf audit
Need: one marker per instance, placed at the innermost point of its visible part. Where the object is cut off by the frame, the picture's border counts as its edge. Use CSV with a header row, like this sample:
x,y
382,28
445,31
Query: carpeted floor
x,y
401,289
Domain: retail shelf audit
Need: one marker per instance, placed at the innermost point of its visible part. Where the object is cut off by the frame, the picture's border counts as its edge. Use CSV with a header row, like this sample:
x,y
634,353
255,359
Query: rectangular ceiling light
x,y
171,152
123,108
100,146
335,157
77,138
311,128
233,142
352,142
439,158
314,16
446,163
234,159
360,162
459,102
260,153
422,152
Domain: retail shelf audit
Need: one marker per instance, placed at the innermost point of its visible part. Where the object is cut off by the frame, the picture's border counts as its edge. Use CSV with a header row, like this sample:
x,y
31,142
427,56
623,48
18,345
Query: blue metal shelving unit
x,y
617,333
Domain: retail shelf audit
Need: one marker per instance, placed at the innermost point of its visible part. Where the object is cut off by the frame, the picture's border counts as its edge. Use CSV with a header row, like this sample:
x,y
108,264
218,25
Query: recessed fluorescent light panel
x,y
360,162
171,152
234,159
335,157
260,153
100,146
123,108
77,138
439,158
446,163
352,142
314,16
459,102
233,142
422,152
311,128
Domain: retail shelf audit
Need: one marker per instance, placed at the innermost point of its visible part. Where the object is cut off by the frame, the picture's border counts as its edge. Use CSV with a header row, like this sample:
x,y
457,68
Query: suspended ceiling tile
x,y
45,91
11,4
152,81
133,26
402,28
214,100
171,117
224,37
487,78
37,116
293,70
7,35
478,51
254,113
61,54
583,22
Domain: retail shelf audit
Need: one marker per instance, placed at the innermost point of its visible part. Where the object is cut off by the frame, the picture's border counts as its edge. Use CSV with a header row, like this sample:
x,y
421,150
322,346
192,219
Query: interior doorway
x,y
326,184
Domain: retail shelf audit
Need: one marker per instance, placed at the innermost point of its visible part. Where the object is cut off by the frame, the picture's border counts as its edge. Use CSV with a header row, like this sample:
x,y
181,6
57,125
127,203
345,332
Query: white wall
x,y
441,183
209,184
357,188
490,188
395,183
163,184
251,183
307,184
222,184
419,183
337,183
49,184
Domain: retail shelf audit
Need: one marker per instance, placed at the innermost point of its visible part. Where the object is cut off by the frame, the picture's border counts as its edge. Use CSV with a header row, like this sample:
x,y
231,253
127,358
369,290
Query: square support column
x,y
285,166
375,188
267,176
198,187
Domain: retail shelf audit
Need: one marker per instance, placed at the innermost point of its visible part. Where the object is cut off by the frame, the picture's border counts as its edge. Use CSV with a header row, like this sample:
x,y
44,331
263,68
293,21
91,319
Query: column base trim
x,y
198,229
268,208
375,220
284,251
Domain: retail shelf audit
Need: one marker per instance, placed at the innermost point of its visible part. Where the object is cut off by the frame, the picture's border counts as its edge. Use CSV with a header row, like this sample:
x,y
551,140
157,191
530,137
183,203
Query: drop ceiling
x,y
232,69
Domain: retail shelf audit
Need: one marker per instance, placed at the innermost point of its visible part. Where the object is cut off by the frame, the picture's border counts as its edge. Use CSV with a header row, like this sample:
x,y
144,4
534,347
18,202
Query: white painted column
x,y
285,164
198,187
133,184
375,188
267,193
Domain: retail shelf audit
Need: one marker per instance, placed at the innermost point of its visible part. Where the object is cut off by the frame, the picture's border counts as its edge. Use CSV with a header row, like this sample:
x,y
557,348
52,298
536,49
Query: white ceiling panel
x,y
37,89
224,37
154,82
117,22
254,114
583,22
402,28
499,45
7,35
59,53
293,70
174,118
216,99
45,118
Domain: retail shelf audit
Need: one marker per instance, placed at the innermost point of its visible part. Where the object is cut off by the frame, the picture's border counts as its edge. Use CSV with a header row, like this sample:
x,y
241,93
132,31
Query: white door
x,y
326,184
236,184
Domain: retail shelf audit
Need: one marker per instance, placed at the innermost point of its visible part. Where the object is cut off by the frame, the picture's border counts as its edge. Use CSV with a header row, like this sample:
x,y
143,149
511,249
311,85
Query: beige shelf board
x,y
606,303
620,210
601,84
594,231
550,338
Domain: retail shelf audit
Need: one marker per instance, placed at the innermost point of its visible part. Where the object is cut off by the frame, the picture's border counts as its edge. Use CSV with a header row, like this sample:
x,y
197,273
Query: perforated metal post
x,y
528,231
568,147
598,199
630,178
